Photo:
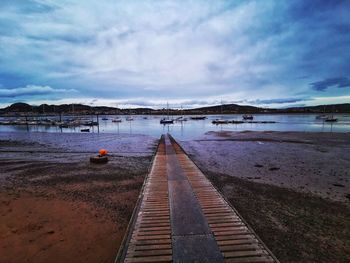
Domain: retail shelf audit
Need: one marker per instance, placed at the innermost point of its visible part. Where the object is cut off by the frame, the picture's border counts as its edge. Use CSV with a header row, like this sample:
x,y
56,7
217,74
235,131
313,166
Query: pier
x,y
181,217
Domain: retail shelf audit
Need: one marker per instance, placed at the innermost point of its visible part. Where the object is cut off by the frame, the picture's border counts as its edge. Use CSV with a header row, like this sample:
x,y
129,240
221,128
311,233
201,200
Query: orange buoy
x,y
102,152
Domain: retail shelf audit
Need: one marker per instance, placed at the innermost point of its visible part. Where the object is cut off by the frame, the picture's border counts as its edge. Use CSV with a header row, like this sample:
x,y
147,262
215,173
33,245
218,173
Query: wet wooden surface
x,y
183,218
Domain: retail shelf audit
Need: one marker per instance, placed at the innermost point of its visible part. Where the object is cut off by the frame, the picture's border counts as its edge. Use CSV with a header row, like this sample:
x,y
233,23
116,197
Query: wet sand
x,y
317,163
57,207
292,188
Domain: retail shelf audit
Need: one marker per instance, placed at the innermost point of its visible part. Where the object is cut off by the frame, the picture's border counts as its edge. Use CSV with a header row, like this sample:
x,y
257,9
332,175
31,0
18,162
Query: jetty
x,y
181,217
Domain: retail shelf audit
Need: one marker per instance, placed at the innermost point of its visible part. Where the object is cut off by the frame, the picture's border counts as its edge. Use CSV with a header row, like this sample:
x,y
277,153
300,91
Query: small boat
x,y
85,130
247,117
198,117
181,119
63,125
237,122
220,121
166,121
321,117
145,118
117,120
331,119
129,118
90,123
105,119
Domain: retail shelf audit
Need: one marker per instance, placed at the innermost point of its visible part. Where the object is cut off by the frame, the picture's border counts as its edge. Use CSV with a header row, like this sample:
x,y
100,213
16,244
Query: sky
x,y
192,53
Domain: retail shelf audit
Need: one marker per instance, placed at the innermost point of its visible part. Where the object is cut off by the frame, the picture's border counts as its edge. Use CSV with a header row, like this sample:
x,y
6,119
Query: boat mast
x,y
221,110
167,106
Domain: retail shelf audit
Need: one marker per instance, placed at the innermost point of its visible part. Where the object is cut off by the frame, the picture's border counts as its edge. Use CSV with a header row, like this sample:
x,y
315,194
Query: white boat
x,y
117,120
129,118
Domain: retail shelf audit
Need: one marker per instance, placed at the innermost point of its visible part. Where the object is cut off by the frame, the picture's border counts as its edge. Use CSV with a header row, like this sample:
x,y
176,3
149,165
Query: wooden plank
x,y
149,259
154,252
145,229
243,247
239,223
231,233
261,259
233,237
153,232
152,247
237,254
238,242
150,237
150,242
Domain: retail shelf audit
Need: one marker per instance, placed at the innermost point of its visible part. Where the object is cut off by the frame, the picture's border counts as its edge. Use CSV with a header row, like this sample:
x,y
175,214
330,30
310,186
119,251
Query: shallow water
x,y
194,128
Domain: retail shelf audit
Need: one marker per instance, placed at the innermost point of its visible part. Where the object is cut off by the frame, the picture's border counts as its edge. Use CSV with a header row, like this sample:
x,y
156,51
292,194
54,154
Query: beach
x,y
292,188
56,206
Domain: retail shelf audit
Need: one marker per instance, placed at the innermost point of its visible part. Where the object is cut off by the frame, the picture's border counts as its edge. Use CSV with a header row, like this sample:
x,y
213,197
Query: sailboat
x,y
322,116
221,120
181,118
331,118
247,117
167,120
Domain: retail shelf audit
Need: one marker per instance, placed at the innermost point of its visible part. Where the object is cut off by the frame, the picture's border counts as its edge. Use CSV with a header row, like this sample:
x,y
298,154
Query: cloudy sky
x,y
191,53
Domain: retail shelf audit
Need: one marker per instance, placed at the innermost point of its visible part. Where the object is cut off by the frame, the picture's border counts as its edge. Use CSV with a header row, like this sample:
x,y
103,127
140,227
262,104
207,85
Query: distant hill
x,y
227,108
342,108
24,108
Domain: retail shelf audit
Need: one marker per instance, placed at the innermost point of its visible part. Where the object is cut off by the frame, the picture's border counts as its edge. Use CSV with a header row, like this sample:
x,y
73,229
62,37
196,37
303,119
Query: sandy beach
x,y
292,188
57,207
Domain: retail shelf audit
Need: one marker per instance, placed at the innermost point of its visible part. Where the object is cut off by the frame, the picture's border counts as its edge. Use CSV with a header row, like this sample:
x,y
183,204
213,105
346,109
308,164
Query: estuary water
x,y
150,125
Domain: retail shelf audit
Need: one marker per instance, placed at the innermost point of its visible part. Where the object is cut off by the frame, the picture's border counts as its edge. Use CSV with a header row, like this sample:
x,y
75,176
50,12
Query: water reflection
x,y
193,128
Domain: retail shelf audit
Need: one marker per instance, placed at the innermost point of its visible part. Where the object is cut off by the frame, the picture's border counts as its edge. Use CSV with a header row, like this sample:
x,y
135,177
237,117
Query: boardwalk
x,y
181,217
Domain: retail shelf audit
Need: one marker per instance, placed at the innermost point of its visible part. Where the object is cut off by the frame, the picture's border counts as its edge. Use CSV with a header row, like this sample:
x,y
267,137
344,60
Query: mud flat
x,y
293,188
57,207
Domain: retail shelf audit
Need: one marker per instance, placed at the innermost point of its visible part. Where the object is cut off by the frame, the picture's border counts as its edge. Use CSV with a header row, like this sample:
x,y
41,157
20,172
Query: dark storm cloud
x,y
340,82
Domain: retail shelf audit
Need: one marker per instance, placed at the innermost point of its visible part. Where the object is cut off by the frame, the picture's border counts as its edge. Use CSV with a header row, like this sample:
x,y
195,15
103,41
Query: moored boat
x,y
220,121
247,117
198,117
331,119
166,121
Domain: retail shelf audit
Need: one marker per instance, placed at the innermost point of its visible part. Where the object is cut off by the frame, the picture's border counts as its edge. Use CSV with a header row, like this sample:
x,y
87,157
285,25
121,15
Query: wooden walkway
x,y
181,217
